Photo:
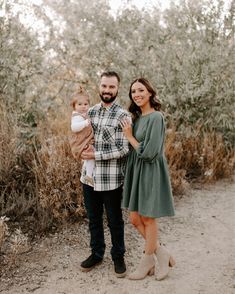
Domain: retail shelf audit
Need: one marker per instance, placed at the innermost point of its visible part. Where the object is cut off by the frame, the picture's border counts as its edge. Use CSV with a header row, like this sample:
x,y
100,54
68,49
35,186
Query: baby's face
x,y
82,105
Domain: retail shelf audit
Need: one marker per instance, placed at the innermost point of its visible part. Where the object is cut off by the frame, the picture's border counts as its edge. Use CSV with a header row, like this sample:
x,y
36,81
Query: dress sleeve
x,y
152,144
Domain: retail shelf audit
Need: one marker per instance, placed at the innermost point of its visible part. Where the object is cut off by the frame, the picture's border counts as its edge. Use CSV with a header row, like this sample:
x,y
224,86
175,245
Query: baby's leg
x,y
89,164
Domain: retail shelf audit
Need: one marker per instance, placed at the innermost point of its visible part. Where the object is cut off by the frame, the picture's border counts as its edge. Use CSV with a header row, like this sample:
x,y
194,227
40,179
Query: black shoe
x,y
90,262
119,267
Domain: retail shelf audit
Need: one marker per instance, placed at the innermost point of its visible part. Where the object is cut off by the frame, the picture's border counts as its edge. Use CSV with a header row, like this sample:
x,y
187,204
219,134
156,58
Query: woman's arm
x,y
127,130
150,147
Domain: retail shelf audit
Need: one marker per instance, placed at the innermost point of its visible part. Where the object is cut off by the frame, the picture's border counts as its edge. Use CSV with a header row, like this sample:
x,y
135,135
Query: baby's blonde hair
x,y
78,94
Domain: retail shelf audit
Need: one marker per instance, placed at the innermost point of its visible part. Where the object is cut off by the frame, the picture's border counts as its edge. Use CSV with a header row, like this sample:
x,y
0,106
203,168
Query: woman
x,y
147,190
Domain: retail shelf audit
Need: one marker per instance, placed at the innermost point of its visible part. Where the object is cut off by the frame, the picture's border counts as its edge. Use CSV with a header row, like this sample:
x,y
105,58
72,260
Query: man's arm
x,y
119,149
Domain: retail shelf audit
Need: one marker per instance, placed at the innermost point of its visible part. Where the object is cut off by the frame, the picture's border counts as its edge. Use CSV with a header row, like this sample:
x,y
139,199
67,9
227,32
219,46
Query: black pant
x,y
95,201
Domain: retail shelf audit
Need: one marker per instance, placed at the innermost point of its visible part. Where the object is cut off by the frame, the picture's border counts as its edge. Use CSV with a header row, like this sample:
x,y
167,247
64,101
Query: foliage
x,y
187,52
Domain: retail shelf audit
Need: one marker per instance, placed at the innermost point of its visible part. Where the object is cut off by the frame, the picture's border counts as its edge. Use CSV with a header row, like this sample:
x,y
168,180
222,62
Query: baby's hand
x,y
88,122
88,155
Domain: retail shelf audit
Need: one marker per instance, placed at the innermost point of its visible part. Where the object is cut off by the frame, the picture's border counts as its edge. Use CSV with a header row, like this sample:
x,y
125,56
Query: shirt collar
x,y
109,108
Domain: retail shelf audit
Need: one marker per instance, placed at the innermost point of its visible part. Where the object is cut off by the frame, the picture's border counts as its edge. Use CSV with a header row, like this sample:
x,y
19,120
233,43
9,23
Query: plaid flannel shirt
x,y
111,147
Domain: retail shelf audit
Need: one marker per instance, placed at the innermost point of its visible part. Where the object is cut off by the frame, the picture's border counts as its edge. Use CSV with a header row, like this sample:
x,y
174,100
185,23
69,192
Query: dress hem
x,y
170,214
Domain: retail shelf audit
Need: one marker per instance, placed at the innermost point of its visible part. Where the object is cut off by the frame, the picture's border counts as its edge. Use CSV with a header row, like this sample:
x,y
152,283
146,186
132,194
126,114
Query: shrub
x,y
197,155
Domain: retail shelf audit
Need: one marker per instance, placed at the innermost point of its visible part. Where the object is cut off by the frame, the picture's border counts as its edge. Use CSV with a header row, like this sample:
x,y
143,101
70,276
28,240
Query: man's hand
x,y
88,155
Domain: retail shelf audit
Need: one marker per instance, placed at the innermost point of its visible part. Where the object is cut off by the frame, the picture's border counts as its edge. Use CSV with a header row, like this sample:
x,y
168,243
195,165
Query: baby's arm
x,y
78,123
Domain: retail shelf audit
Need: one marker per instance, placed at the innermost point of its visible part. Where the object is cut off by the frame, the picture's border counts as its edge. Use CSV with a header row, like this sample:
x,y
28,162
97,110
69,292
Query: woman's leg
x,y
142,223
136,221
151,234
147,262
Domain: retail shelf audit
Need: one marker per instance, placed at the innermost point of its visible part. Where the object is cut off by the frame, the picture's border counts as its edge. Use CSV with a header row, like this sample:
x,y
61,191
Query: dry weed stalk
x,y
4,230
8,142
11,244
8,154
19,243
174,152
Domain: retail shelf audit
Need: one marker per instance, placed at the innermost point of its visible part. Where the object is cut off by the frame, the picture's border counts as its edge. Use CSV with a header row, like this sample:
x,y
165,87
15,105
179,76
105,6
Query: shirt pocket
x,y
108,134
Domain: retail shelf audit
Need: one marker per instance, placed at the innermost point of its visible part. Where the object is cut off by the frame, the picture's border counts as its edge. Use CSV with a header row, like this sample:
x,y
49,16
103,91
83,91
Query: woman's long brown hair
x,y
154,101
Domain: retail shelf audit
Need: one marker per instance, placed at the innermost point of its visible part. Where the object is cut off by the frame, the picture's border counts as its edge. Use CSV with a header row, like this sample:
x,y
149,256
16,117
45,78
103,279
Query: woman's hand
x,y
127,131
127,128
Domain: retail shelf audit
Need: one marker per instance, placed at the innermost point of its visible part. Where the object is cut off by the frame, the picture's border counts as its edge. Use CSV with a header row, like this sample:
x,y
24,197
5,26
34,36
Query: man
x,y
110,151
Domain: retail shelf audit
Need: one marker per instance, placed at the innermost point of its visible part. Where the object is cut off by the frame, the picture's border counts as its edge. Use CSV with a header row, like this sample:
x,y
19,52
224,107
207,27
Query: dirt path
x,y
200,236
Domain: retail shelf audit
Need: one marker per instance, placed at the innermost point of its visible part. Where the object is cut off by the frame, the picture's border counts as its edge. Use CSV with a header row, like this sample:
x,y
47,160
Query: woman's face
x,y
140,95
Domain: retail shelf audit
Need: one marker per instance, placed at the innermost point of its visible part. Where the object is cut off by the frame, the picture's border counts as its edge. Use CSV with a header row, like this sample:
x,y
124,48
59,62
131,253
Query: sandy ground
x,y
200,237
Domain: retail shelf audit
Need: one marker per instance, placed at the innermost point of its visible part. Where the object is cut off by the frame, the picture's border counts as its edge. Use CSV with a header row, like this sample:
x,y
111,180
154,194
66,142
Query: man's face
x,y
108,89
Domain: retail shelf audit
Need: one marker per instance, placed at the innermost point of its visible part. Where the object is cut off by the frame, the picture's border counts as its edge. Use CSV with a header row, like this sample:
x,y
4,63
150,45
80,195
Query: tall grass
x,y
196,155
40,178
16,179
57,172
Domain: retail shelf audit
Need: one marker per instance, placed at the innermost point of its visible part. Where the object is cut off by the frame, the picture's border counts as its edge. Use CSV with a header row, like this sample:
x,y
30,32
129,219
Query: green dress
x,y
147,187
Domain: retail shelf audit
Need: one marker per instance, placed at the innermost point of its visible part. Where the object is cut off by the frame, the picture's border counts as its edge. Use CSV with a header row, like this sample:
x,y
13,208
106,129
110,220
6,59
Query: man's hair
x,y
110,74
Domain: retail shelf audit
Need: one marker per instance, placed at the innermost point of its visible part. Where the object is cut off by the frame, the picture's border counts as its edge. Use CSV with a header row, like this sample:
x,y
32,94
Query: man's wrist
x,y
98,155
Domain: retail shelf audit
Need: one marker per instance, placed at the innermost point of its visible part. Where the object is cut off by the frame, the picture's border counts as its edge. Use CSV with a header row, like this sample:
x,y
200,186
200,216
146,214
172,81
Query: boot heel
x,y
151,272
171,261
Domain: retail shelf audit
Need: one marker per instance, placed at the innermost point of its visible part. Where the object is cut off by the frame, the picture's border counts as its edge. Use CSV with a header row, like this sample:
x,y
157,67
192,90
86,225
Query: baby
x,y
82,136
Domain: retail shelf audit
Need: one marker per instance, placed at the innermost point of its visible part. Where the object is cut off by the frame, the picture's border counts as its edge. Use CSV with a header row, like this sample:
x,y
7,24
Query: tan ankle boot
x,y
165,261
145,267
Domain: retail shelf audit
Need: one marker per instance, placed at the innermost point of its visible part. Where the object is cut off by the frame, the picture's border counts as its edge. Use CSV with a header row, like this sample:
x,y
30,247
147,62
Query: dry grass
x,y
43,181
197,155
174,153
17,181
8,156
8,143
57,173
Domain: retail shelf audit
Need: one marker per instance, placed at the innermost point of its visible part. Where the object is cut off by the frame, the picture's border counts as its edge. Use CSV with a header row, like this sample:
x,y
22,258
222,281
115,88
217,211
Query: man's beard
x,y
108,99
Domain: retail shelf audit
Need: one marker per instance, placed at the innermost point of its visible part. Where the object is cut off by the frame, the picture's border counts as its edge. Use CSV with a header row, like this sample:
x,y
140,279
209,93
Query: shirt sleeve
x,y
120,146
151,146
78,123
